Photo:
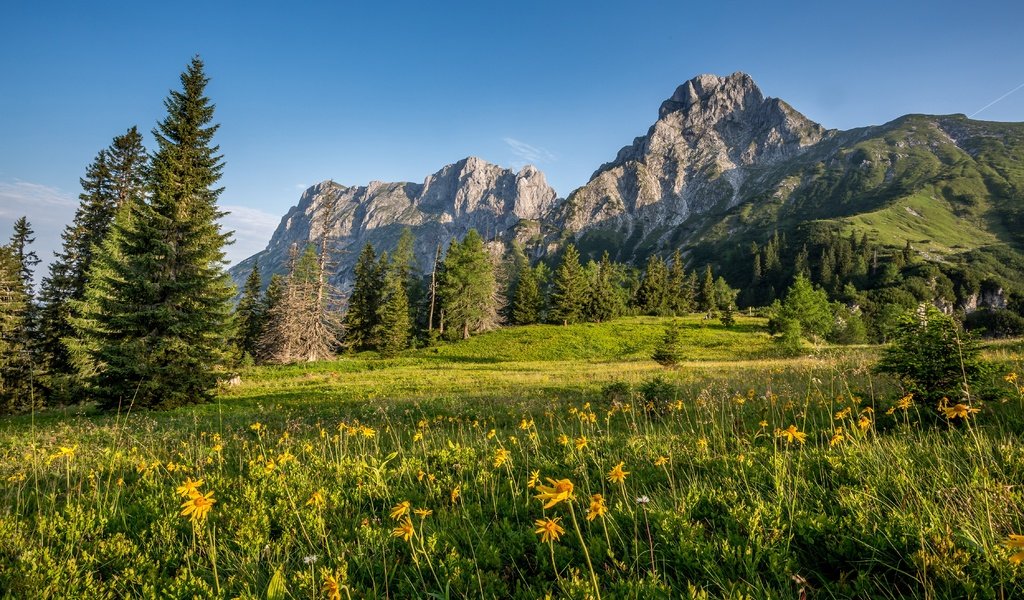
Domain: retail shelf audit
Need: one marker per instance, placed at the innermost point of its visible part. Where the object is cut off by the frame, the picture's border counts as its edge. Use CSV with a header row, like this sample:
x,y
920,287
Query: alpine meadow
x,y
750,357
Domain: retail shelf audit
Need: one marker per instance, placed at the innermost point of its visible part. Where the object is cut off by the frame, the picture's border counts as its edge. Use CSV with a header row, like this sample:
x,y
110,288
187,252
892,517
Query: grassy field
x,y
738,474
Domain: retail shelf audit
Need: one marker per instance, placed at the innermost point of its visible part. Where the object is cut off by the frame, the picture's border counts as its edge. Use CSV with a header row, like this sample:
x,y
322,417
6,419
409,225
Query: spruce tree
x,y
155,318
117,175
361,317
569,297
669,351
391,333
467,287
677,300
652,297
526,300
250,315
707,301
15,363
27,258
605,301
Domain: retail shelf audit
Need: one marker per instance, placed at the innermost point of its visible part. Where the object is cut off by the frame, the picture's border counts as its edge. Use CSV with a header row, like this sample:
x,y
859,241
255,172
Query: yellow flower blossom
x,y
555,492
317,500
1015,542
404,530
67,452
189,488
502,457
332,587
400,510
661,461
581,442
563,440
548,529
423,513
597,507
198,506
1011,378
534,479
257,426
456,493
617,474
791,434
959,411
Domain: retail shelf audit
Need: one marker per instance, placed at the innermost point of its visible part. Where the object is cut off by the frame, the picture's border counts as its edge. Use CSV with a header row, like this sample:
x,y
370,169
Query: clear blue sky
x,y
358,91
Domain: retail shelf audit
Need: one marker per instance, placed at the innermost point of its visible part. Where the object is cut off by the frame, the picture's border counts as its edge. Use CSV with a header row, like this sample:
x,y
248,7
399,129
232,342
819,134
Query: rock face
x,y
469,194
711,139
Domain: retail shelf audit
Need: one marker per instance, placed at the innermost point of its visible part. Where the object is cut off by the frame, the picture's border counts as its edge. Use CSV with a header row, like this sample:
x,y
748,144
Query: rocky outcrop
x,y
711,140
469,194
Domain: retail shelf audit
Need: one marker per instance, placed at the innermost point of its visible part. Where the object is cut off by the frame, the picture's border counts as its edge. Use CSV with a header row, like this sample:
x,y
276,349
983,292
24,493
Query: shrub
x,y
669,352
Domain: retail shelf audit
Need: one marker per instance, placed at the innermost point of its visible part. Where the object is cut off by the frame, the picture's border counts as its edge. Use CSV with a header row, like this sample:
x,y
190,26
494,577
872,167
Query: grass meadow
x,y
531,462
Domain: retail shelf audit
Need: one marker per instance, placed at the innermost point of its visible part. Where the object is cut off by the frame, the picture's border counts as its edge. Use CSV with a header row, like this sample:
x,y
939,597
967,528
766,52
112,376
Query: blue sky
x,y
392,91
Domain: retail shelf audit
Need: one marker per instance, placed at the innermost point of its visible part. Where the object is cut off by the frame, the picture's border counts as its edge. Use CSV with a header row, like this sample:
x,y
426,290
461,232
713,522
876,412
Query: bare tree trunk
x,y
433,291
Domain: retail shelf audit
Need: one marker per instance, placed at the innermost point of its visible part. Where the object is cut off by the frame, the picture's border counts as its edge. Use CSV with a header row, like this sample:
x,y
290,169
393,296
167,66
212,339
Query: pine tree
x,y
605,301
467,287
526,299
250,315
27,258
569,297
677,299
670,351
391,334
155,318
652,297
116,176
707,301
404,258
361,317
15,363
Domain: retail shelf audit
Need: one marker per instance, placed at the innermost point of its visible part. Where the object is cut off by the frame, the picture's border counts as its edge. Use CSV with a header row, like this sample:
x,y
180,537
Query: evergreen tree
x,y
404,258
670,351
467,287
15,363
302,322
691,291
27,259
652,297
156,313
526,300
605,303
391,333
802,265
805,312
707,301
677,298
361,317
116,176
250,315
570,293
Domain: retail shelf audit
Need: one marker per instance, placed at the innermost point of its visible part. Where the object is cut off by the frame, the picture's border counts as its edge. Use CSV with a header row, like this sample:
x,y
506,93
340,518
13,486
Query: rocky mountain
x,y
723,167
469,194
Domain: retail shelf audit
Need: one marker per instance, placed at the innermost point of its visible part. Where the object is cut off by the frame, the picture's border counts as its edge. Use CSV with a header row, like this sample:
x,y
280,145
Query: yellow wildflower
x,y
534,479
417,436
563,440
763,424
491,434
959,411
332,587
198,506
792,434
905,402
368,432
317,500
556,492
525,424
189,488
581,442
400,510
617,474
456,493
257,426
67,452
1011,378
423,513
548,529
404,530
842,414
597,507
837,438
864,422
661,461
1016,542
501,457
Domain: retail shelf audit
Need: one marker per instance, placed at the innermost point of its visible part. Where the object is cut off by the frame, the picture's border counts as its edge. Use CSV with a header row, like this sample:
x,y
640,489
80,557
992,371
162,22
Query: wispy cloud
x,y
529,153
253,228
35,200
301,187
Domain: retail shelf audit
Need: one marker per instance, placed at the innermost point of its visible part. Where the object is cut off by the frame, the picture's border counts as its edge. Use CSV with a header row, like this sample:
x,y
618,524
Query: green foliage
x,y
361,316
933,357
250,315
526,299
670,351
467,287
605,302
393,327
707,300
15,361
805,312
570,294
154,319
654,295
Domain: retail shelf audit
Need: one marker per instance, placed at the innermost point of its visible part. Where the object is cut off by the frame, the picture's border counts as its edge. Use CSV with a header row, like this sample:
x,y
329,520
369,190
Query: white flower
x,y
312,558
642,500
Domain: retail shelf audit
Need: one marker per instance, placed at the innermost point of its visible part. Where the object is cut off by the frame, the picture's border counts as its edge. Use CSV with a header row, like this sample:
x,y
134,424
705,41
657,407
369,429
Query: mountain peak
x,y
734,91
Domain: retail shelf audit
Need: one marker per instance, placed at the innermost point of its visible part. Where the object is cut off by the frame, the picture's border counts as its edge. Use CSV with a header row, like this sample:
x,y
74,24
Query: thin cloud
x,y
19,198
253,228
529,153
